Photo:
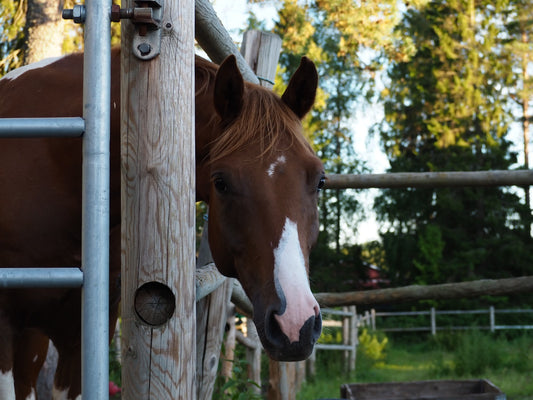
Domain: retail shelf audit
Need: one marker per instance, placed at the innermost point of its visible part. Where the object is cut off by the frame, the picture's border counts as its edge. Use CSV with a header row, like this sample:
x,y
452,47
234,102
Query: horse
x,y
254,169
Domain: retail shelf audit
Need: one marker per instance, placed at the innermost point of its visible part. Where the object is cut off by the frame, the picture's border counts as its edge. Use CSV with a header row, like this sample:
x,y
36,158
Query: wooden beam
x,y
485,287
215,40
430,179
158,212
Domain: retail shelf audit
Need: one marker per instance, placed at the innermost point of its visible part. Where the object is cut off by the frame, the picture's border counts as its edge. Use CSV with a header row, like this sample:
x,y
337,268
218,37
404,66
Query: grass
x,y
505,360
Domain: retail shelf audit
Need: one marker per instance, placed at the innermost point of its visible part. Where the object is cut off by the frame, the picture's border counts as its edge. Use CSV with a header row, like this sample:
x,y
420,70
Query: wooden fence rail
x,y
460,290
430,179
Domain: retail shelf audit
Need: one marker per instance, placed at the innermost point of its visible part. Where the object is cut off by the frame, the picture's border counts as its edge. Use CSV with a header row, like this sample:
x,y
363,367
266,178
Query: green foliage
x,y
476,353
13,33
338,36
12,19
238,387
115,368
417,358
431,247
372,347
447,108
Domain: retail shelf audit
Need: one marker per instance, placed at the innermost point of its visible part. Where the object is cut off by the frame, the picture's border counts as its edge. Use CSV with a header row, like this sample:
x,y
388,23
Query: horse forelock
x,y
265,121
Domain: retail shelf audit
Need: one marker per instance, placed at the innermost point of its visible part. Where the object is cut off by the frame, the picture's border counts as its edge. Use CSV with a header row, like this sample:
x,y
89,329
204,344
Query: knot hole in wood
x,y
154,303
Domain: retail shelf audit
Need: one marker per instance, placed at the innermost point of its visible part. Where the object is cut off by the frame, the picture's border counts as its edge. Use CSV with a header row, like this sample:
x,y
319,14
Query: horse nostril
x,y
273,331
317,326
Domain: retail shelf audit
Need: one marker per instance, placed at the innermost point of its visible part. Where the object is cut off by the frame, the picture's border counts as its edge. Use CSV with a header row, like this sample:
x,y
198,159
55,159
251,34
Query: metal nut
x,y
144,49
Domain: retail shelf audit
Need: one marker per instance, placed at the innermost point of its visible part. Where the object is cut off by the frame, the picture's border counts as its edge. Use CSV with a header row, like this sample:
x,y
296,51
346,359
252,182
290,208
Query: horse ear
x,y
301,91
229,89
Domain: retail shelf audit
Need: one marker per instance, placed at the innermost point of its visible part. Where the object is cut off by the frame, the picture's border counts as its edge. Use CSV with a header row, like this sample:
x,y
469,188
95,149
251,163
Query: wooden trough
x,y
474,389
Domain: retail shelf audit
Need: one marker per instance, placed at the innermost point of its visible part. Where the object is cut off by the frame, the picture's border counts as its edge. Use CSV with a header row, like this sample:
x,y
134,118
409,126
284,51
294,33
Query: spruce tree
x,y
447,109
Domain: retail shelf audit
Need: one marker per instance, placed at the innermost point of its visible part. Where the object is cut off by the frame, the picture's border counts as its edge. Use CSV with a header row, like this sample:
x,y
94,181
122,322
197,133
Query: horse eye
x,y
220,185
321,184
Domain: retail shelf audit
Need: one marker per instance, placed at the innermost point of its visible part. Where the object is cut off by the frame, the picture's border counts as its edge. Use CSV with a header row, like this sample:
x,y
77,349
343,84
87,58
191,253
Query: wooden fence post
x,y
353,338
158,216
253,355
433,322
261,51
211,312
346,339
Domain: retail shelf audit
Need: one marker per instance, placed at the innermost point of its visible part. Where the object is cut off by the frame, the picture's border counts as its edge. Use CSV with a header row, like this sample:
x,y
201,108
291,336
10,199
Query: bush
x,y
476,352
371,347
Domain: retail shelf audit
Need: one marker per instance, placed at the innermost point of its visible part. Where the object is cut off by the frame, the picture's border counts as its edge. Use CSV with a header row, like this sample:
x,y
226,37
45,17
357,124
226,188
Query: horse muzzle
x,y
281,342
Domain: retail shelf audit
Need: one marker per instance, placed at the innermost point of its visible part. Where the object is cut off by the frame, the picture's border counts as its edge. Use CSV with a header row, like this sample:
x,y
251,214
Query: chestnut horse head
x,y
261,180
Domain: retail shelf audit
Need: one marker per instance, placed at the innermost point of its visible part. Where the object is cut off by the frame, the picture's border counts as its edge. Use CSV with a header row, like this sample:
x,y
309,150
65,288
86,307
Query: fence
x,y
433,313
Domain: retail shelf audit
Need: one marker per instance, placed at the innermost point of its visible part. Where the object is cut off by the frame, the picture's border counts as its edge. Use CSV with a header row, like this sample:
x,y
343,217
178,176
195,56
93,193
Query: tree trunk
x,y
44,30
525,126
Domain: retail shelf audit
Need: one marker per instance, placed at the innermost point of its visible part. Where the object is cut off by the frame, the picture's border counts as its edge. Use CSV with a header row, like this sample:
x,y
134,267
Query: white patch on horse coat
x,y
7,386
291,274
12,75
35,358
31,396
272,168
59,394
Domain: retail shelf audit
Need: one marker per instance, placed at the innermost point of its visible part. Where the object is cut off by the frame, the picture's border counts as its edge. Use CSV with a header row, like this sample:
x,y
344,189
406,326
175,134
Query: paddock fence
x,y
433,314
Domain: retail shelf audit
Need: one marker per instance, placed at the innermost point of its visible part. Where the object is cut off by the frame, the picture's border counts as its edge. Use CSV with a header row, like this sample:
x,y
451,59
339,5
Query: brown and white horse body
x,y
254,169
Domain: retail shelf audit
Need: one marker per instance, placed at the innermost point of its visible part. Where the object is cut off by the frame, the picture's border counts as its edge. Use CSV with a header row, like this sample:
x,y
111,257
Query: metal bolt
x,y
77,14
144,49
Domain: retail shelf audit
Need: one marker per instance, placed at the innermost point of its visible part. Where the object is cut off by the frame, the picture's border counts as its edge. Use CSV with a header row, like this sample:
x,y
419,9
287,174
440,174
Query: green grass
x,y
505,360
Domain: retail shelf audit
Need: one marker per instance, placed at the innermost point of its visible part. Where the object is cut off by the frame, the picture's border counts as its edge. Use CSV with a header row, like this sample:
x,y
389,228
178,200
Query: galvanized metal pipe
x,y
95,218
41,277
41,127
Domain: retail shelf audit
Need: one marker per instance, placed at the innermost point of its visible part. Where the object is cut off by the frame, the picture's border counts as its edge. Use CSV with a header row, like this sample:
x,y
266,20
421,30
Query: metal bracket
x,y
147,37
146,17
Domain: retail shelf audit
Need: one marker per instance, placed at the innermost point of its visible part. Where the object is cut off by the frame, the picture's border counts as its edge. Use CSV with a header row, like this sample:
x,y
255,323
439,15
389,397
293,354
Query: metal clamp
x,y
147,18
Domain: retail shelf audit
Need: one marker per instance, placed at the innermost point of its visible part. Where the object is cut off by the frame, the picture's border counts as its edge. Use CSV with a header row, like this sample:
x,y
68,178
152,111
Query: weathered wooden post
x,y
158,217
261,51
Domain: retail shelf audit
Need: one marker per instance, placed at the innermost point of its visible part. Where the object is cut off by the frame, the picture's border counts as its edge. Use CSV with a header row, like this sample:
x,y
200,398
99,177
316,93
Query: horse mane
x,y
265,120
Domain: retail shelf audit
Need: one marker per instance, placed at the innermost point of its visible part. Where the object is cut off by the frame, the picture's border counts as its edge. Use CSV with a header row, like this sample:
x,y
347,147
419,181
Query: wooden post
x,y
433,322
346,339
353,338
260,49
158,215
211,314
229,347
311,365
253,355
492,318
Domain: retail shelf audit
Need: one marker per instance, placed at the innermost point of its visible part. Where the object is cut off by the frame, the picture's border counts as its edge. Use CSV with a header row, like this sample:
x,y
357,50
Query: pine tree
x,y
335,34
447,109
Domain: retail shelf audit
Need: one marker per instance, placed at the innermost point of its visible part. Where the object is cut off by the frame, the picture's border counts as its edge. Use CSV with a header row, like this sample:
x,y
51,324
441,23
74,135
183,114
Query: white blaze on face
x,y
291,276
272,168
7,386
39,64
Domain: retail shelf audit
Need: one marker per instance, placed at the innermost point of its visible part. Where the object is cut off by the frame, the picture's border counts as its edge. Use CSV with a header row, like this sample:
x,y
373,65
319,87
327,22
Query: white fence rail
x,y
491,312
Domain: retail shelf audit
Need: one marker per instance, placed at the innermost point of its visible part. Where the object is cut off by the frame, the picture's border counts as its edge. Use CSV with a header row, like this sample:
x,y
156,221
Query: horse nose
x,y
285,346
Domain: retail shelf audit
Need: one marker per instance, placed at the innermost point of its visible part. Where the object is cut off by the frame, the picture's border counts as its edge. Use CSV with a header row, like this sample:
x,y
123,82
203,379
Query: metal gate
x,y
93,276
